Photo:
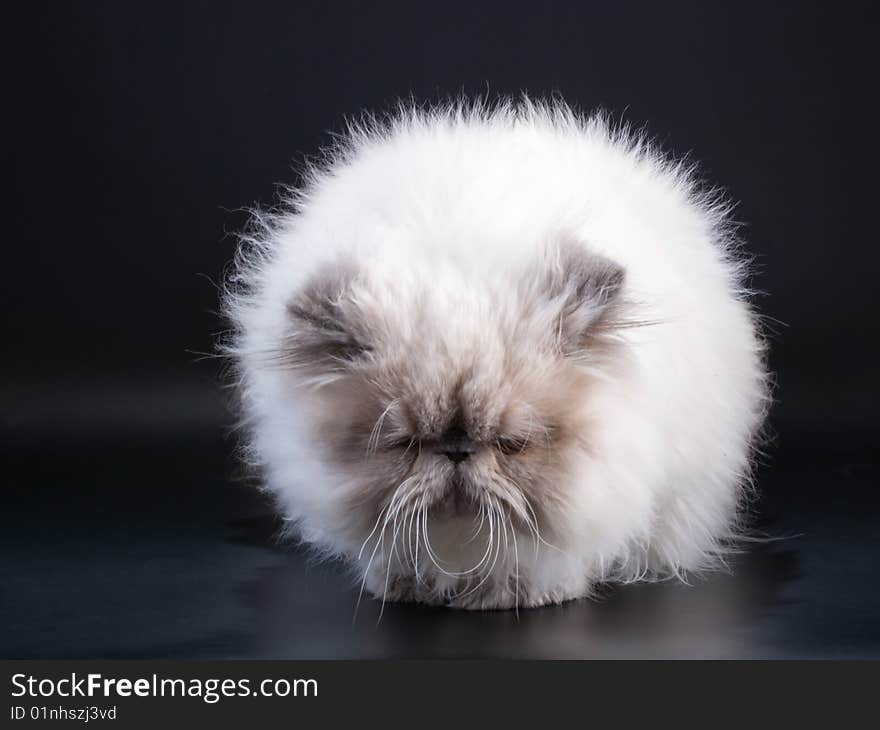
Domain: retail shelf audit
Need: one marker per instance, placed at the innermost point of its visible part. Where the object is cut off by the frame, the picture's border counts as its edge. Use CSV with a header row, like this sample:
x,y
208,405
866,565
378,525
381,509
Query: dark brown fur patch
x,y
586,289
326,330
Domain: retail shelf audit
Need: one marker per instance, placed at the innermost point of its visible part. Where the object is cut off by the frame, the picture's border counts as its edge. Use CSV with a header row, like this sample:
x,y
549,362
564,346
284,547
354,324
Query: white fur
x,y
424,196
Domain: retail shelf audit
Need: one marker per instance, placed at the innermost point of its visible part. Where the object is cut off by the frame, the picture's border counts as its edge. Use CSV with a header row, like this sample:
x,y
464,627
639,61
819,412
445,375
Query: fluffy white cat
x,y
491,357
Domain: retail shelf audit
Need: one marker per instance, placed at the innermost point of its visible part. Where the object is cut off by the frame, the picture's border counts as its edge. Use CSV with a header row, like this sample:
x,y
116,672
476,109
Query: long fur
x,y
551,287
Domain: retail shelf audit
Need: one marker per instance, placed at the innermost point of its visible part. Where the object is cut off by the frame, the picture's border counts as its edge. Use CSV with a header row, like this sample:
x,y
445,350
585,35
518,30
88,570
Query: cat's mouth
x,y
457,500
454,504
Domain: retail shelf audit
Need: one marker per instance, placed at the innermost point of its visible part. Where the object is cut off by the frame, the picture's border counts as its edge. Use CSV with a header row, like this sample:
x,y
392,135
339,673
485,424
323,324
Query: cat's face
x,y
455,408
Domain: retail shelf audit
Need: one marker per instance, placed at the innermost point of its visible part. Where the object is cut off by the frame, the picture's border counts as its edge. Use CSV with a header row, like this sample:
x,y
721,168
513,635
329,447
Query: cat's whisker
x,y
483,559
372,532
411,538
479,526
375,434
494,539
532,522
391,553
515,566
389,510
428,549
435,559
418,515
379,541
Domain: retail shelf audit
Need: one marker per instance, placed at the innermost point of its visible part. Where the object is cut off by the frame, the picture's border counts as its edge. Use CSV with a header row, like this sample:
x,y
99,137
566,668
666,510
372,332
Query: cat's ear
x,y
327,333
579,292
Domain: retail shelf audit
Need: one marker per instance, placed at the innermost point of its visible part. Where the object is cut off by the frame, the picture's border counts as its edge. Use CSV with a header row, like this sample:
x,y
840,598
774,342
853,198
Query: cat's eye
x,y
510,445
404,442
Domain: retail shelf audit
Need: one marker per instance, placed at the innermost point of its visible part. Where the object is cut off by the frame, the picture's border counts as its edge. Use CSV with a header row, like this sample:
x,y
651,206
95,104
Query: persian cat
x,y
495,356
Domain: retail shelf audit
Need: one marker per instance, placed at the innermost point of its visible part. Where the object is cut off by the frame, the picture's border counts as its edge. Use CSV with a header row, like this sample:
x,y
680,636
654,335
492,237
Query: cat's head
x,y
455,397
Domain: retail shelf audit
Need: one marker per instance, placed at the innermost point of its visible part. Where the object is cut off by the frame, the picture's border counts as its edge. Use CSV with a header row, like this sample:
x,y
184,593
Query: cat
x,y
492,356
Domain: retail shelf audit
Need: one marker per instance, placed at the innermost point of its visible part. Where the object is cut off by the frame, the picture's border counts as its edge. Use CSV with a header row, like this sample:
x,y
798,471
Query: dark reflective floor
x,y
146,549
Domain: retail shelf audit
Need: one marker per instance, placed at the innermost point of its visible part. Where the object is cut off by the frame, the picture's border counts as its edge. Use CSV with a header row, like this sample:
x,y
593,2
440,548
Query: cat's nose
x,y
456,456
457,446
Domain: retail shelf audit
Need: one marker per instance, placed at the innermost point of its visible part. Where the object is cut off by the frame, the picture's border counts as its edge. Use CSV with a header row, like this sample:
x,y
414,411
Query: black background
x,y
135,133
